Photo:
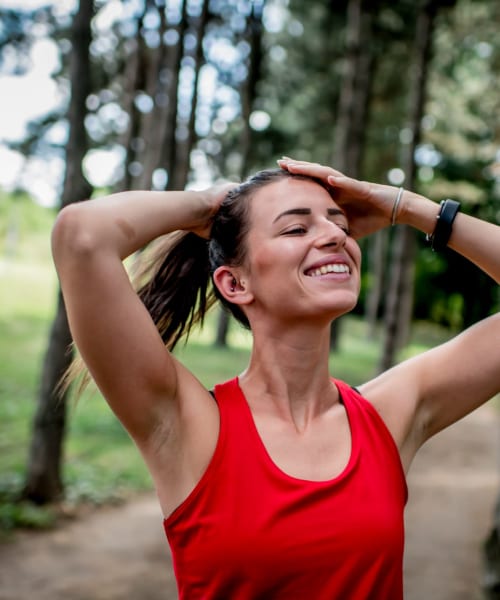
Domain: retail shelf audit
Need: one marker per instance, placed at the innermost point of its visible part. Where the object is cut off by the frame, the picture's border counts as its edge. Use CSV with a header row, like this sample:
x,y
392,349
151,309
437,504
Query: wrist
x,y
417,211
201,212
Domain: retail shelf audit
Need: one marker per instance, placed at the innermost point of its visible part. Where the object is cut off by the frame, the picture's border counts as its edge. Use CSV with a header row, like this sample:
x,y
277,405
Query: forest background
x,y
163,94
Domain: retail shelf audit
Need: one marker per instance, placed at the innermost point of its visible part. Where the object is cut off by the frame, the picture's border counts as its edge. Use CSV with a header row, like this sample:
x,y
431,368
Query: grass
x,y
101,463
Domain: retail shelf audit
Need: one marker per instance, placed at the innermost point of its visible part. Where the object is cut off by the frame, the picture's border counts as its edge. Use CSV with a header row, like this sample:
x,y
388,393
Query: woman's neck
x,y
288,374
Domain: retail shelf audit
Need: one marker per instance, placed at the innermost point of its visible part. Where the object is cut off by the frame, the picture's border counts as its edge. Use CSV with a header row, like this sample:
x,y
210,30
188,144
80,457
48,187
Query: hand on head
x,y
213,197
368,206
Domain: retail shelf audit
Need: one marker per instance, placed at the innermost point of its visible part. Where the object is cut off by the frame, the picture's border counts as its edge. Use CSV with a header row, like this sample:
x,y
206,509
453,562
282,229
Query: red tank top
x,y
249,531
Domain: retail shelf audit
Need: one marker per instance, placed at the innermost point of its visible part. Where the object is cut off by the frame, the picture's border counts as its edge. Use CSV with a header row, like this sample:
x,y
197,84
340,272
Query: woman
x,y
284,483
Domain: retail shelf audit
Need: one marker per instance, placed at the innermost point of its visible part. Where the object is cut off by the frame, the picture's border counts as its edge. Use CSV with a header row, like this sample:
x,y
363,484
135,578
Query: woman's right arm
x,y
112,329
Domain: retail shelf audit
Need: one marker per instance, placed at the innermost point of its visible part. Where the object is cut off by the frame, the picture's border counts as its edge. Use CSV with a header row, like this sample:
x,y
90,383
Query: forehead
x,y
271,200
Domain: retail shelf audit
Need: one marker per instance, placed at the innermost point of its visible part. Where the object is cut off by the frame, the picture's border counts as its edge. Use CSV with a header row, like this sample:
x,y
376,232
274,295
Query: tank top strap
x,y
236,424
364,416
231,402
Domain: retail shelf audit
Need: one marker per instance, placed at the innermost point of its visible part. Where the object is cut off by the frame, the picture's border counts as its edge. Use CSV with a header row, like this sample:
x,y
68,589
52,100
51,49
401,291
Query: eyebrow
x,y
307,211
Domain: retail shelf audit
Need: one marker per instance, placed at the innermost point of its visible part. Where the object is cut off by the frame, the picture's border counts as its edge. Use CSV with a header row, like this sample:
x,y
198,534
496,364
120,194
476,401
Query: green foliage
x,y
15,514
24,228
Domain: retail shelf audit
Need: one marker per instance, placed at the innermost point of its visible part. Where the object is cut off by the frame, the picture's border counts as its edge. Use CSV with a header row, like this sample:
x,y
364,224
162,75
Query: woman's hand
x,y
368,206
211,198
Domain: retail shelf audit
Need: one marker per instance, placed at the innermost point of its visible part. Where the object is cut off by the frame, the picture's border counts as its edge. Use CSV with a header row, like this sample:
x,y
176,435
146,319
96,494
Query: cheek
x,y
276,258
261,265
354,251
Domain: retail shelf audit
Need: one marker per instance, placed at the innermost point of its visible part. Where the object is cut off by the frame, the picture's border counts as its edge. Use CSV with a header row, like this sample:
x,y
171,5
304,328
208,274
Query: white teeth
x,y
332,268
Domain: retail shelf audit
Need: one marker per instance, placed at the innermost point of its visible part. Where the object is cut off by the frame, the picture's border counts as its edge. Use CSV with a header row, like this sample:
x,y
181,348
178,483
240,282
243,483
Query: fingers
x,y
344,188
349,186
303,167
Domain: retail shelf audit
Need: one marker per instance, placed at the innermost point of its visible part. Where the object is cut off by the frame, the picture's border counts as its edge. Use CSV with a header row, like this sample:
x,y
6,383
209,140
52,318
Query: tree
x,y
186,141
400,295
44,482
356,88
133,81
248,94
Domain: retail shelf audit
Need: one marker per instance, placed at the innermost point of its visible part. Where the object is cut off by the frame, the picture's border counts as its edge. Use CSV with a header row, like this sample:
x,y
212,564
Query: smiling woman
x,y
282,482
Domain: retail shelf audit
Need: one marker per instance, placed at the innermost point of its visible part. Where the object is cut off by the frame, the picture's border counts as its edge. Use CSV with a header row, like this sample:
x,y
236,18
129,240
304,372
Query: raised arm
x,y
421,396
453,379
110,325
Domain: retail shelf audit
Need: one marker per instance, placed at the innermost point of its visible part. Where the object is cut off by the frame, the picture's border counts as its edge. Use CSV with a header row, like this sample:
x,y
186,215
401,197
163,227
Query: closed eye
x,y
298,230
344,228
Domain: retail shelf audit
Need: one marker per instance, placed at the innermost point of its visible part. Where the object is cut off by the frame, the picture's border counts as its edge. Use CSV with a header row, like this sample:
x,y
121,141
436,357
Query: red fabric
x,y
249,531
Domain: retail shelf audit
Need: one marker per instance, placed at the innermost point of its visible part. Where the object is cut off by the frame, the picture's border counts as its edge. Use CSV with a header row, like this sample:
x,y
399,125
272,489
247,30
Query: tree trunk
x,y
44,482
168,156
133,80
249,88
184,147
222,328
491,559
247,95
376,260
151,131
400,296
354,101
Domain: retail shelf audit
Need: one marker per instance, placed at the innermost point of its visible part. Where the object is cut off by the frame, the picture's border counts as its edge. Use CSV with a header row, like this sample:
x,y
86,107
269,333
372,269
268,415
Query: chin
x,y
343,308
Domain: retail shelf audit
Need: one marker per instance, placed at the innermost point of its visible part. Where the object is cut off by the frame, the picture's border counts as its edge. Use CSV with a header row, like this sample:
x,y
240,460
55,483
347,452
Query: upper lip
x,y
329,260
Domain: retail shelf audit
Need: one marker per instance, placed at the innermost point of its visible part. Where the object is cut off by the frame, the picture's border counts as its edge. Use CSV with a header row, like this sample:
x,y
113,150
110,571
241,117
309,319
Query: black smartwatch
x,y
439,238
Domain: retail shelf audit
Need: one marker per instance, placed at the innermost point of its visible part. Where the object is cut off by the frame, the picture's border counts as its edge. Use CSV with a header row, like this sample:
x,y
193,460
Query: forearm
x,y
124,222
476,240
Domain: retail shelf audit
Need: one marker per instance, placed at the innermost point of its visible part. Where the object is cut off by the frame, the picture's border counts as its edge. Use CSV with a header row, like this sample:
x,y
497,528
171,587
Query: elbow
x,y
72,235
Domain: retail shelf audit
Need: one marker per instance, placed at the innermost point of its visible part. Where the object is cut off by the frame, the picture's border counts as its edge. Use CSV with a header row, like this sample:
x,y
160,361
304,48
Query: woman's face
x,y
300,259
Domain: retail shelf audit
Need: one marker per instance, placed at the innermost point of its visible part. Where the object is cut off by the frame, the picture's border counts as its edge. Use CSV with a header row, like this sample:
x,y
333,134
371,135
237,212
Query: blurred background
x,y
109,95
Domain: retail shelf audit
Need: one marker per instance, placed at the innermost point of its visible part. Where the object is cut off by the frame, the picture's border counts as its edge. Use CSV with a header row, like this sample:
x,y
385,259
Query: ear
x,y
232,285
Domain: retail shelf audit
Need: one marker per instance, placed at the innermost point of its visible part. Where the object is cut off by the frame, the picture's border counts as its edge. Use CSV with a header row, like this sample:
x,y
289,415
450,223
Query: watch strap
x,y
439,238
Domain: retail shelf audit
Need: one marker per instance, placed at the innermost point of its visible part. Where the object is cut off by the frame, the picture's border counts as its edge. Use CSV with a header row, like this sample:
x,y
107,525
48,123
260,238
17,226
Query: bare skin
x,y
289,304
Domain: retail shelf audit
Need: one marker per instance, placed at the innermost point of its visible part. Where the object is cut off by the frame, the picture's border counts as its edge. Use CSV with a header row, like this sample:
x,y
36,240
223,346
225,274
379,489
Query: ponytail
x,y
176,284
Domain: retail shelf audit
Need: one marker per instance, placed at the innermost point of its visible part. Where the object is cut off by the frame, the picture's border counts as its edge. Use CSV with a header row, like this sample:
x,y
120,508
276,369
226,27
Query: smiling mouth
x,y
331,268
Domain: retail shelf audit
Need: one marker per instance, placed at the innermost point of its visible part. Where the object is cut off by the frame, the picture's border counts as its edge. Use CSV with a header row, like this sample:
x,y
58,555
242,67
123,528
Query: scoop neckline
x,y
346,470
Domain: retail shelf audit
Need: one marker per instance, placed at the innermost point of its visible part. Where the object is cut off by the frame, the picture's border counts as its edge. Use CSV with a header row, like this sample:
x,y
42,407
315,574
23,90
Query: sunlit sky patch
x,y
28,96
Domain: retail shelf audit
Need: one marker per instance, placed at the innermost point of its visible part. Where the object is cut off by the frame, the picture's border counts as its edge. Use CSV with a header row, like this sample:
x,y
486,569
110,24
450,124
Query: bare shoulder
x,y
394,396
429,392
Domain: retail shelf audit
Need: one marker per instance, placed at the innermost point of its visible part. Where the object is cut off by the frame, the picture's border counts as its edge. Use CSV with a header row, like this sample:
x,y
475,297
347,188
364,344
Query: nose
x,y
330,234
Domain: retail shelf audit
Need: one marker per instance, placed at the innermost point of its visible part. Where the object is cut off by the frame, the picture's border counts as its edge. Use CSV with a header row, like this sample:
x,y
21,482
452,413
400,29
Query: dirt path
x,y
121,553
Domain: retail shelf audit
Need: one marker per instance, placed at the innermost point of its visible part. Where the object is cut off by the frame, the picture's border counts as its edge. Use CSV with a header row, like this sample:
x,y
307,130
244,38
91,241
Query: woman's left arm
x,y
451,380
454,378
